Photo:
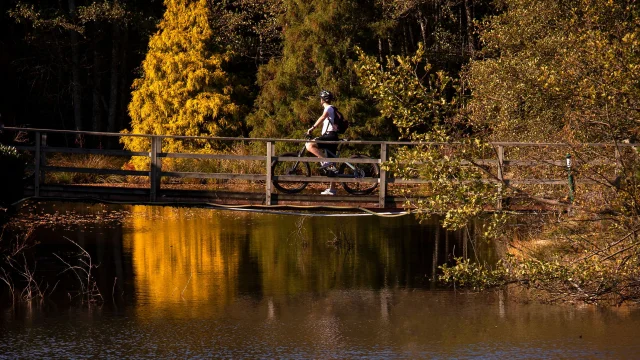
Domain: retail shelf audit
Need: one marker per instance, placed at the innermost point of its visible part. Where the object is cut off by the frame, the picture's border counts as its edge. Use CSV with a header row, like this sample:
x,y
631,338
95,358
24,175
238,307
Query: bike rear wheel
x,y
280,168
360,171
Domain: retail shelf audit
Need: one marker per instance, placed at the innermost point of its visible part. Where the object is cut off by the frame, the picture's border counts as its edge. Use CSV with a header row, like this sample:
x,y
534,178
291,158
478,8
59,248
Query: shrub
x,y
11,181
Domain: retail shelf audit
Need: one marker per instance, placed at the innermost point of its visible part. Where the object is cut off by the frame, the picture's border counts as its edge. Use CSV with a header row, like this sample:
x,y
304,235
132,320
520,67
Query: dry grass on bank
x,y
178,165
85,161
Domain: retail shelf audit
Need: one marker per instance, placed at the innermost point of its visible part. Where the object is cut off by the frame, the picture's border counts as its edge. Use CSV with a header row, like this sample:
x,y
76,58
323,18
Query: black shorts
x,y
330,136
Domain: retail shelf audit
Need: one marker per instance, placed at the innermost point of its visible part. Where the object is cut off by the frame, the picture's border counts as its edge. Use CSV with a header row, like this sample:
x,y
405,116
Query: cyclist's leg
x,y
331,136
329,167
314,149
319,149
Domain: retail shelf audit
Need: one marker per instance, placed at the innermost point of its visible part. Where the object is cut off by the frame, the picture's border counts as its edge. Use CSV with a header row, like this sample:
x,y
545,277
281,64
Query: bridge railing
x,y
35,142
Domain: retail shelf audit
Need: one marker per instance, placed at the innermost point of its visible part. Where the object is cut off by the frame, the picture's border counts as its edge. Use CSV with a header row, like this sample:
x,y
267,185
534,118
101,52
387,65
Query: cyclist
x,y
328,133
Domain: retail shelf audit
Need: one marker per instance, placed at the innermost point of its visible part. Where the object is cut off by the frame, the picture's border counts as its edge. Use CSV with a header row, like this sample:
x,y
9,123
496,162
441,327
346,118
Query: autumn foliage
x,y
184,89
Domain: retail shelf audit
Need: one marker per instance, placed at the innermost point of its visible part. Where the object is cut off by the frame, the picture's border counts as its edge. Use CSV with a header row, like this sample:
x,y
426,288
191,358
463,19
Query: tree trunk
x,y
423,26
61,83
468,4
405,50
97,93
462,31
115,76
412,40
122,113
76,90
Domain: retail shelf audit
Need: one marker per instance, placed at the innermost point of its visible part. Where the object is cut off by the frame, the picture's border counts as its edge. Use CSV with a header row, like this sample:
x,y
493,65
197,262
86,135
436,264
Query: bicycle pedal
x,y
331,172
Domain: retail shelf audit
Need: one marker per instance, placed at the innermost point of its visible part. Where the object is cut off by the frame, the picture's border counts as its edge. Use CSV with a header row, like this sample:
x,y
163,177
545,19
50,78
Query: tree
x,y
63,53
446,29
423,104
318,40
566,71
184,89
409,91
250,29
558,70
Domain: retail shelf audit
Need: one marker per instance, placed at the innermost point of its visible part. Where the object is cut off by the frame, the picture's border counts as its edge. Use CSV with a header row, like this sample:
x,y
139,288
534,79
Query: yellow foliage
x,y
572,81
183,89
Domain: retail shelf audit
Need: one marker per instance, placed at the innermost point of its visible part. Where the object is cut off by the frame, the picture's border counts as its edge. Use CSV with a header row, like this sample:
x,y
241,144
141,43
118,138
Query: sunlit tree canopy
x,y
184,89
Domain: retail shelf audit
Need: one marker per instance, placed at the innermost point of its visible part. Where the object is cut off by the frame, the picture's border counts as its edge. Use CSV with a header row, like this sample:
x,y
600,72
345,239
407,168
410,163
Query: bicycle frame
x,y
328,154
343,169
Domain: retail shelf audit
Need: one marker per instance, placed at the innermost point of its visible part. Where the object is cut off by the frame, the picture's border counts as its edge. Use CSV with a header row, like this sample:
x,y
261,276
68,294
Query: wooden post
x,y
382,195
269,177
156,168
570,179
500,176
446,246
434,264
43,159
618,163
465,244
36,163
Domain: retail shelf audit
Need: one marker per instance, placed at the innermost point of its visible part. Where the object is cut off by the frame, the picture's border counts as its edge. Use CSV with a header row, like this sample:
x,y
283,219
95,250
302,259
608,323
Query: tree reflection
x,y
201,255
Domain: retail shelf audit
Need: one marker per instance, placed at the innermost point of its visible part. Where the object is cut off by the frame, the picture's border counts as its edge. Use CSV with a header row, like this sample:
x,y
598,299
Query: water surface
x,y
210,283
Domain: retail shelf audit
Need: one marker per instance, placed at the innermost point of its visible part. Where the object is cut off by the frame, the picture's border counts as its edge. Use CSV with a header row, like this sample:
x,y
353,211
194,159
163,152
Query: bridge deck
x,y
219,197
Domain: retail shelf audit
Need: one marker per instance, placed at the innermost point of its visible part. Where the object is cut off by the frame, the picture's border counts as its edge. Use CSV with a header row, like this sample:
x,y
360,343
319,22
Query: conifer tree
x,y
318,53
184,89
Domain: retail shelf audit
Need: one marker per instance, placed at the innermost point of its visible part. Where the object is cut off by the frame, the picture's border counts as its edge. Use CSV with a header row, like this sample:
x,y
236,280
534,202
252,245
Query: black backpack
x,y
339,121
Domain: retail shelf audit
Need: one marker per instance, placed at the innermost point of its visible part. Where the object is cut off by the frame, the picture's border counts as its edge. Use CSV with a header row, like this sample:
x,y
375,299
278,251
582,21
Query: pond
x,y
189,282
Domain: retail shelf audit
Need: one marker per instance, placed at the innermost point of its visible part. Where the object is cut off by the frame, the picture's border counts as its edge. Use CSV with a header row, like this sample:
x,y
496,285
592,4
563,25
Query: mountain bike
x,y
342,170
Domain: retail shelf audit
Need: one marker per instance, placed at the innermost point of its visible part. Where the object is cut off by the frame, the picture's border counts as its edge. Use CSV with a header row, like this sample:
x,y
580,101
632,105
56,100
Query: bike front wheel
x,y
280,168
360,171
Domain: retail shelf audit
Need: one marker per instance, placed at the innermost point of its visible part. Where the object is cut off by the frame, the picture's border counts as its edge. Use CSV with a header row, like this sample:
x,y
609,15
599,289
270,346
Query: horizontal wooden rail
x,y
197,175
323,179
210,156
84,151
316,159
25,148
69,169
505,181
155,154
372,142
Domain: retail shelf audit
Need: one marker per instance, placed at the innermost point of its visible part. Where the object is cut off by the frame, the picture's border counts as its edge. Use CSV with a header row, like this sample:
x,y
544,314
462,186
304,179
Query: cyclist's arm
x,y
318,122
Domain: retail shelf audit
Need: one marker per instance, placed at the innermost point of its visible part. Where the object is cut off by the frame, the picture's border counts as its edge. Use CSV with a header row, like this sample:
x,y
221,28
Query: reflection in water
x,y
203,283
197,255
178,254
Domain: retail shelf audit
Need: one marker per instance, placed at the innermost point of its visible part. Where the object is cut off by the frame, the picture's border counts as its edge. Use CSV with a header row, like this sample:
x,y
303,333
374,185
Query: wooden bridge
x,y
156,187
